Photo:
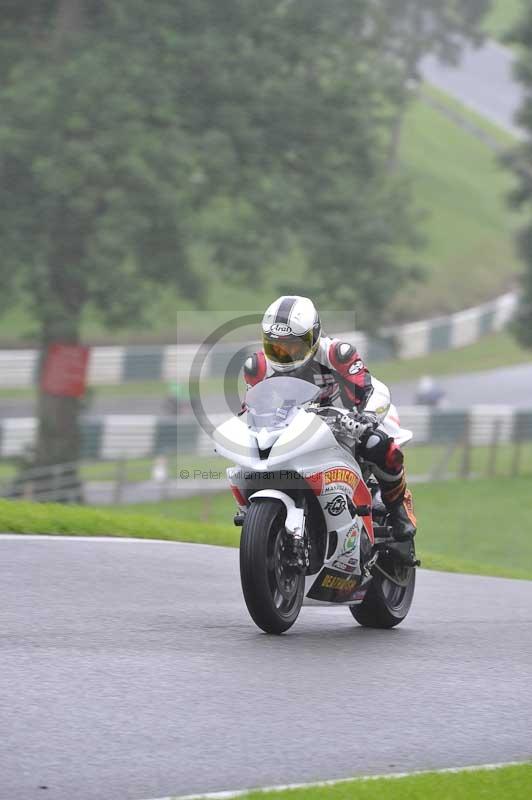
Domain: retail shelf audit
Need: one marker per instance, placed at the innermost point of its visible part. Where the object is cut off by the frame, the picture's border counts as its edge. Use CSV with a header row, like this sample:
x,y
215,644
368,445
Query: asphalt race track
x,y
483,81
131,670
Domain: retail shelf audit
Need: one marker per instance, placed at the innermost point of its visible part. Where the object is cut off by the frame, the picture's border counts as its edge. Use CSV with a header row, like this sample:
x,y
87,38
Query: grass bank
x,y
469,230
490,352
54,519
502,17
477,527
479,784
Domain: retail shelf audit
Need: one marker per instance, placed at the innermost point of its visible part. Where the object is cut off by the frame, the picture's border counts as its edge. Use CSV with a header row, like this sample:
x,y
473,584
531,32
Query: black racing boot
x,y
398,500
402,521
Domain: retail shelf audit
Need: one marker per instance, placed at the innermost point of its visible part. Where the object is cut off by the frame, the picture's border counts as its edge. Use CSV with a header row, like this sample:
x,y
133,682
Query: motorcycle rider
x,y
293,343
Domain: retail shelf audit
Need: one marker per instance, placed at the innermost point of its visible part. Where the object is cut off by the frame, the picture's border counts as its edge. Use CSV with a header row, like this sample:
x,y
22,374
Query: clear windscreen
x,y
273,402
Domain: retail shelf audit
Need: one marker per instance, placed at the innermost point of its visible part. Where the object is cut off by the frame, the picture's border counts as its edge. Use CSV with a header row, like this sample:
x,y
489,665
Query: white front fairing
x,y
306,435
306,447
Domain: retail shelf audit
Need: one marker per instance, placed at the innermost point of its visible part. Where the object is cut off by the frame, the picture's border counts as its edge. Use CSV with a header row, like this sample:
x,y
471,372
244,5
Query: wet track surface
x,y
131,670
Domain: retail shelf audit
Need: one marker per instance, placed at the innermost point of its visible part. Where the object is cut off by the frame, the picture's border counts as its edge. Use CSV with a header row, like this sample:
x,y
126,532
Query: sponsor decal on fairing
x,y
336,506
344,566
351,539
333,586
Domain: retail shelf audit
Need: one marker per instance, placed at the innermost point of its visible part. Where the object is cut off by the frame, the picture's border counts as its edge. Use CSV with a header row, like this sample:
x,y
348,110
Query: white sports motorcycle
x,y
313,524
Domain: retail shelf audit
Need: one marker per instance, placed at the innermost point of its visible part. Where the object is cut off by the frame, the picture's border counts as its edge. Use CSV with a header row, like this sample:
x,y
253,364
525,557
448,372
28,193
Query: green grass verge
x,y
497,350
466,115
422,460
499,784
502,17
464,526
477,527
469,229
51,518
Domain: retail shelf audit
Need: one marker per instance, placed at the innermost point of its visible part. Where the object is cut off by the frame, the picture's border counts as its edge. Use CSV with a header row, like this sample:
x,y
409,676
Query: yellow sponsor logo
x,y
339,475
340,584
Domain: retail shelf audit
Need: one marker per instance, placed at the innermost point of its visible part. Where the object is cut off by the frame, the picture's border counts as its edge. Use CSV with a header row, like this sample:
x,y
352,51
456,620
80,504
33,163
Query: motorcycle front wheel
x,y
273,593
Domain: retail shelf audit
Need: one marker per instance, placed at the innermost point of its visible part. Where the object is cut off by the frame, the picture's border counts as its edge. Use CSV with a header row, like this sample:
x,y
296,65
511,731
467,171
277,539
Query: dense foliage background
x,y
134,134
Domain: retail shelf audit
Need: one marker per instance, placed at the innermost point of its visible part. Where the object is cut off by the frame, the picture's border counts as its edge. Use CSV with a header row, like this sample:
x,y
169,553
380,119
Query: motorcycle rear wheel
x,y
386,604
273,594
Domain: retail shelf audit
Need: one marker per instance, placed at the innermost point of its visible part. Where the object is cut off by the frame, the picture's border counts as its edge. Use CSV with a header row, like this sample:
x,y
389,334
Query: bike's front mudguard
x,y
295,517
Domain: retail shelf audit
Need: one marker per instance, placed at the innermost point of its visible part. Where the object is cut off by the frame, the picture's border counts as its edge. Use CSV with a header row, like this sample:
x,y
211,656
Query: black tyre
x,y
387,602
273,594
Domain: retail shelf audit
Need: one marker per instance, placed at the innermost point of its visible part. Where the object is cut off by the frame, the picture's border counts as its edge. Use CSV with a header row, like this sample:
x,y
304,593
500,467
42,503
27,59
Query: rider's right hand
x,y
357,425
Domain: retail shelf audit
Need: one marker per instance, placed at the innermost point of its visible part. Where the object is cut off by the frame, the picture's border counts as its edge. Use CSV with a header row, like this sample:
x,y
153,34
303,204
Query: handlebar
x,y
332,416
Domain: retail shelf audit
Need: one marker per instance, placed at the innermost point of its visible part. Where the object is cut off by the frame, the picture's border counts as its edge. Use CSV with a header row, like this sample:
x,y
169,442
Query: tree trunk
x,y
69,20
59,433
59,436
409,83
395,139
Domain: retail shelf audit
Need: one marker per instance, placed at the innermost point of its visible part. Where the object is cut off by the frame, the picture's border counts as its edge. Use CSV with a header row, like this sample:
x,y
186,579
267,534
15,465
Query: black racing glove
x,y
357,426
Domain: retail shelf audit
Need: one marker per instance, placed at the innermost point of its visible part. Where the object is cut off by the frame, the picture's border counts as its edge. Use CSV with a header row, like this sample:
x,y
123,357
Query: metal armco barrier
x,y
128,459
113,366
143,435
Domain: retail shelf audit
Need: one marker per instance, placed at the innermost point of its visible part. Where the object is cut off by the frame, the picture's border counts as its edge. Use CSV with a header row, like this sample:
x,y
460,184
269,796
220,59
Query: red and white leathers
x,y
338,369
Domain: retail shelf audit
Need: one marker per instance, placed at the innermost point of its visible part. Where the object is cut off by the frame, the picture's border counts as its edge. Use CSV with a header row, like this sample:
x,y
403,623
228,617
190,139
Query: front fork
x,y
296,545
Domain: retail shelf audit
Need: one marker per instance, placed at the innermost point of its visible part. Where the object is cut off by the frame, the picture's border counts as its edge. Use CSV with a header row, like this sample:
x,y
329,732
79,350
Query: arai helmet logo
x,y
280,329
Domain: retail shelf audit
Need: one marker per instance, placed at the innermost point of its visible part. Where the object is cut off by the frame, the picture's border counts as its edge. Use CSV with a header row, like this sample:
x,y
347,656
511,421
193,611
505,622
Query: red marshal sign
x,y
65,370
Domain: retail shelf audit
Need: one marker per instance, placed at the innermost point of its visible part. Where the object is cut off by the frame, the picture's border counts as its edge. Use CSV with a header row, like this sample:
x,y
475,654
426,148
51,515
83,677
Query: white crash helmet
x,y
291,332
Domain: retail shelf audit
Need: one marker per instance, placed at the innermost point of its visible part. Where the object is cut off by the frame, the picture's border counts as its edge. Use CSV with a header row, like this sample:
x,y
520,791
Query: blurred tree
x,y
408,30
520,160
414,28
129,131
94,168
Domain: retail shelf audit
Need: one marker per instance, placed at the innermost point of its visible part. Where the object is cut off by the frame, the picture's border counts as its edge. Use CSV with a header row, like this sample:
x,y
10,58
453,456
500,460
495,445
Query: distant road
x,y
132,670
504,385
483,81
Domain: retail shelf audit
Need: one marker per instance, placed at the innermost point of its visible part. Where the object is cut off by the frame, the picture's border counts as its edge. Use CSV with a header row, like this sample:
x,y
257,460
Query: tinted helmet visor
x,y
287,349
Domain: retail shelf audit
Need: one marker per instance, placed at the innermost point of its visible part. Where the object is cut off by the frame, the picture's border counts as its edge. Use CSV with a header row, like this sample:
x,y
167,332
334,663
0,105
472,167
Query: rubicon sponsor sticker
x,y
340,475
